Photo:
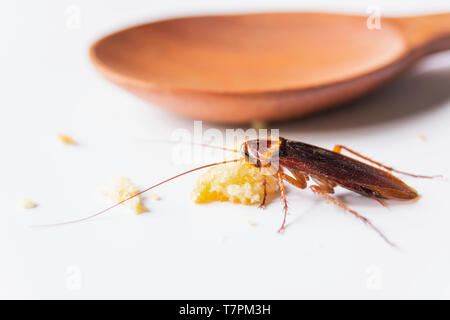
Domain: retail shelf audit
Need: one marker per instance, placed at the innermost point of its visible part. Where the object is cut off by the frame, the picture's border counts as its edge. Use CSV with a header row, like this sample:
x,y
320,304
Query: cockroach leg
x,y
325,185
317,189
263,202
299,175
338,148
299,183
283,195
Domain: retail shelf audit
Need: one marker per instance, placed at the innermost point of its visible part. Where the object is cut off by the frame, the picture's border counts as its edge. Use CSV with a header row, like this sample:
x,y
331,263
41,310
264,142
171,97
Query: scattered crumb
x,y
251,223
422,137
122,188
259,125
154,196
66,139
27,203
234,182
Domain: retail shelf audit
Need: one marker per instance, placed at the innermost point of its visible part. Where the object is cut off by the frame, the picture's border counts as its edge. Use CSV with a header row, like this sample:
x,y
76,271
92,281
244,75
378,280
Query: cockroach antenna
x,y
200,144
137,194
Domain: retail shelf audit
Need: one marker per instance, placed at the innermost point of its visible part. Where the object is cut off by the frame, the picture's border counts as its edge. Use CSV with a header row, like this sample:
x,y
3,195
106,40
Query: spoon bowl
x,y
271,66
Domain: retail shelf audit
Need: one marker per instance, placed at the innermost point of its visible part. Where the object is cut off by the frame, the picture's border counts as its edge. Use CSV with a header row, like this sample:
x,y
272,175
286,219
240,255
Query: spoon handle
x,y
430,33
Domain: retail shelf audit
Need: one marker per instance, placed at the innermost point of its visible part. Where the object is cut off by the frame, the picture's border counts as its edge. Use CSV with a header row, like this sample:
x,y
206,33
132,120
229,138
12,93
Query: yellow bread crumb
x,y
27,203
154,196
234,182
66,139
122,188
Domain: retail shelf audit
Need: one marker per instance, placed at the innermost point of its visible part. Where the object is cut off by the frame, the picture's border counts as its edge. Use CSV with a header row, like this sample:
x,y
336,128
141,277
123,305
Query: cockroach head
x,y
261,152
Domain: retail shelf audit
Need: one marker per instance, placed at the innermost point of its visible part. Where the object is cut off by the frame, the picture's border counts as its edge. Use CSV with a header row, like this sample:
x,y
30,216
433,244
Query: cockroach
x,y
327,169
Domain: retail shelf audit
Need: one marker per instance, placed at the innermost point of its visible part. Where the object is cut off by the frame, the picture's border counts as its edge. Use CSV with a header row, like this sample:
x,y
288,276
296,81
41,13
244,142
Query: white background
x,y
184,250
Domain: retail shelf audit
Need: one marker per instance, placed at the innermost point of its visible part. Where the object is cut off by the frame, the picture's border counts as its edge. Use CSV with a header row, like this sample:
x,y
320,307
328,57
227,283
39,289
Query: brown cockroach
x,y
328,169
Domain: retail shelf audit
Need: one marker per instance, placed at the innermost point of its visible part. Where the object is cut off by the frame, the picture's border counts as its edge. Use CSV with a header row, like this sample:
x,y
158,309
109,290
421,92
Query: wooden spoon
x,y
271,66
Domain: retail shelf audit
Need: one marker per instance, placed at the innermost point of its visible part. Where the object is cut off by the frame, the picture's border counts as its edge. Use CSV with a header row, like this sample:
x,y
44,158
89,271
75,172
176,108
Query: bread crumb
x,y
66,139
27,203
233,182
154,196
251,223
422,137
121,188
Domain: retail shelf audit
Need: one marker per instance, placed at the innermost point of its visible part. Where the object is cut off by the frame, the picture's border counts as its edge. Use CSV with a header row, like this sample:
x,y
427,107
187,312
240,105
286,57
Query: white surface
x,y
183,250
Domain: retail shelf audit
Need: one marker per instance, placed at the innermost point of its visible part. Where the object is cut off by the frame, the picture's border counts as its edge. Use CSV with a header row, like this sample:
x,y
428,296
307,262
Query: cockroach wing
x,y
342,170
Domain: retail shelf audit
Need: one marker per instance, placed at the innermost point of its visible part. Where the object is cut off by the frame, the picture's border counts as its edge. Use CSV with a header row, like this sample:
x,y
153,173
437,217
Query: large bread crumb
x,y
122,188
234,182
